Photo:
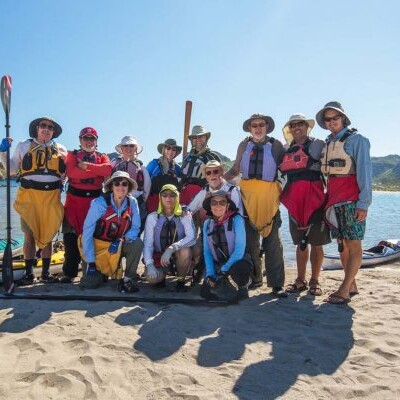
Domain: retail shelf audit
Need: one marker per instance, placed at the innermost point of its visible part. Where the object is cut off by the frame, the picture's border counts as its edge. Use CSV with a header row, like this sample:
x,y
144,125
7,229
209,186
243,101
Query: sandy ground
x,y
263,348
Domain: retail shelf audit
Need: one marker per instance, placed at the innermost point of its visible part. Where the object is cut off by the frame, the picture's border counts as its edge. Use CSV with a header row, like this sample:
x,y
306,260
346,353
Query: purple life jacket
x,y
221,240
167,232
258,163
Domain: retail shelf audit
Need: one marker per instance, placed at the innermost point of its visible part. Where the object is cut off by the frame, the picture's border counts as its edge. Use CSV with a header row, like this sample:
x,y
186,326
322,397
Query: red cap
x,y
88,131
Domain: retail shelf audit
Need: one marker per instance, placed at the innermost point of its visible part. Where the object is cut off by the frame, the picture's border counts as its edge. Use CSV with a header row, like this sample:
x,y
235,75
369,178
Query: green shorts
x,y
348,226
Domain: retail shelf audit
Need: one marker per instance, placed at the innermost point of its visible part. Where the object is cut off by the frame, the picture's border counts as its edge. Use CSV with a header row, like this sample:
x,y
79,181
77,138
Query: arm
x,y
152,167
208,257
133,232
235,170
149,238
197,203
240,243
103,170
146,184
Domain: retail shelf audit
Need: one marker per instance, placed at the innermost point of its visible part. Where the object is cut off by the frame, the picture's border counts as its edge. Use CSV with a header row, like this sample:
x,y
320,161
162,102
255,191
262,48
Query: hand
x,y
223,273
212,281
82,164
114,246
361,214
153,274
91,270
165,258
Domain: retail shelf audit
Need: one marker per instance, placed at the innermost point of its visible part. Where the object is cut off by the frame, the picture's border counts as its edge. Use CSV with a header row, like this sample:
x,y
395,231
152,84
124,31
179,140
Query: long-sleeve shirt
x,y
238,250
22,148
98,208
154,169
187,241
197,203
358,148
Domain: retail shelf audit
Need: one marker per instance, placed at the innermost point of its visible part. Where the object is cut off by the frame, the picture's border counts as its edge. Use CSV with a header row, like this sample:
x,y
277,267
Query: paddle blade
x,y
6,84
8,275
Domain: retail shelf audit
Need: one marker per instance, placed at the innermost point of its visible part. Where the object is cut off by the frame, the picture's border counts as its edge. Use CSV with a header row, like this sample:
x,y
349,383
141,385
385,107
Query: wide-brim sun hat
x,y
199,130
296,117
332,105
119,175
218,193
266,118
126,140
172,143
35,123
177,206
212,164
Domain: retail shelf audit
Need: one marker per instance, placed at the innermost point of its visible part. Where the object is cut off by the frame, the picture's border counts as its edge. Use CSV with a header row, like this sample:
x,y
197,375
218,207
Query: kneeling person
x,y
168,237
224,243
110,232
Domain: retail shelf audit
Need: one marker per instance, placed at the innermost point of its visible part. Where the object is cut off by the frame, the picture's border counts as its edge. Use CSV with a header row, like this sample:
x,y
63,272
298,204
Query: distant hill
x,y
386,172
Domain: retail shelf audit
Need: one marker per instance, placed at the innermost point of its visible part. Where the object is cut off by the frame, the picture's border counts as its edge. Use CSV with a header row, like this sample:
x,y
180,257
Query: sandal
x,y
315,288
336,299
297,287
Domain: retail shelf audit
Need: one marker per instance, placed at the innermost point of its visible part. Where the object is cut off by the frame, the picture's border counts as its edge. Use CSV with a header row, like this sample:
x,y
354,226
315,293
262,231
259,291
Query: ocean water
x,y
383,222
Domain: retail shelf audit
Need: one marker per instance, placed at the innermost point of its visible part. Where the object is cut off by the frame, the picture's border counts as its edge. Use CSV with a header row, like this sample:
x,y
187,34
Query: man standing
x,y
347,165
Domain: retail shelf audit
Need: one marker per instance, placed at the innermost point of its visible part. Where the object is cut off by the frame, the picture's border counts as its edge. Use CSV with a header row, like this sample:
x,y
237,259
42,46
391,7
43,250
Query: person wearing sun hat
x,y
304,197
192,180
257,160
163,170
168,237
346,164
111,231
86,170
127,161
39,163
224,244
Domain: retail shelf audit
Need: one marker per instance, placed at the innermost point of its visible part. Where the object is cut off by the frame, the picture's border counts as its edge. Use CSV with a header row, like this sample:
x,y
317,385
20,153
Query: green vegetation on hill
x,y
386,172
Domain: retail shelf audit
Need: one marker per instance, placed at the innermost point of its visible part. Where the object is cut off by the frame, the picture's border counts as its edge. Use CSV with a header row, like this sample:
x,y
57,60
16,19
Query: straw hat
x,y
35,123
332,105
212,164
126,140
119,175
296,117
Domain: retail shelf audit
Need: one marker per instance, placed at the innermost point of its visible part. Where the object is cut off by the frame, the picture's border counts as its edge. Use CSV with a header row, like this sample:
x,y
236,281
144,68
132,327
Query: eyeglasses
x,y
170,148
334,118
261,125
296,124
123,183
128,145
88,138
51,128
213,172
168,194
218,203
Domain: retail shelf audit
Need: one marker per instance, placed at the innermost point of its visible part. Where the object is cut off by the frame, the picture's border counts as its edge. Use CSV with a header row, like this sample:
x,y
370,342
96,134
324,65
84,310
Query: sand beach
x,y
263,348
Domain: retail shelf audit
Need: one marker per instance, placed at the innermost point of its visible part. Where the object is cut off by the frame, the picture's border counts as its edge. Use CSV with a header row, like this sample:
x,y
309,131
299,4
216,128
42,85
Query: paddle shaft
x,y
188,115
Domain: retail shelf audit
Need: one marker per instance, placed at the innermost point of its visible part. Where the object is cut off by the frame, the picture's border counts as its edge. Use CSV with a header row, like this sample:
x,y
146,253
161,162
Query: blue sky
x,y
127,67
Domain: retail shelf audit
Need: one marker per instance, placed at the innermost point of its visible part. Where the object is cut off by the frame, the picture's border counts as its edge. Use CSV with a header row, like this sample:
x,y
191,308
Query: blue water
x,y
383,222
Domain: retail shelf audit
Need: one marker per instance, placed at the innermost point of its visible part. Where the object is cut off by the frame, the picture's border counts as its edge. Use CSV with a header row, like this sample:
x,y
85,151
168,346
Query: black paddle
x,y
8,277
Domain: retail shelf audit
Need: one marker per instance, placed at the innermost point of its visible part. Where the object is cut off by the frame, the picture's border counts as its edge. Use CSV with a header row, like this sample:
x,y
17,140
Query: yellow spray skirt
x,y
42,211
106,263
261,200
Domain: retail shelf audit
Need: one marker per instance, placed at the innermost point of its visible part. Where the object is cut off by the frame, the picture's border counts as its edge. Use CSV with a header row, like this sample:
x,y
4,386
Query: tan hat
x,y
119,175
296,117
199,130
212,164
35,123
332,105
126,140
266,118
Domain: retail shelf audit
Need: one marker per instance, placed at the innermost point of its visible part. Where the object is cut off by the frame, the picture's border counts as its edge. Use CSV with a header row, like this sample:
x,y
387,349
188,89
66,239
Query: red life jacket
x,y
342,188
93,158
295,159
110,227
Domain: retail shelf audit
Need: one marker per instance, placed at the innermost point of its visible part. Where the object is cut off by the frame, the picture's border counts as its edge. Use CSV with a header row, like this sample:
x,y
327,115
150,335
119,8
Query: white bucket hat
x,y
199,130
296,117
129,140
119,175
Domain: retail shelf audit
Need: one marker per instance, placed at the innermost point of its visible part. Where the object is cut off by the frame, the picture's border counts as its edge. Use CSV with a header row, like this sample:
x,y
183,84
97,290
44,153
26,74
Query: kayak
x,y
57,260
385,251
17,245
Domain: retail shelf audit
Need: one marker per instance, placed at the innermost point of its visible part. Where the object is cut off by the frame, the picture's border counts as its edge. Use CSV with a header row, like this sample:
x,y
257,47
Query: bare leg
x,y
29,248
301,259
183,261
344,258
316,258
47,251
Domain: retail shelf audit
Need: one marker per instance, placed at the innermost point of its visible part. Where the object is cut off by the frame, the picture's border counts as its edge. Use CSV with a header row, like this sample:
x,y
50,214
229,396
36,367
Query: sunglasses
x,y
88,138
51,128
213,172
261,125
128,145
170,148
122,183
168,194
335,118
218,203
296,124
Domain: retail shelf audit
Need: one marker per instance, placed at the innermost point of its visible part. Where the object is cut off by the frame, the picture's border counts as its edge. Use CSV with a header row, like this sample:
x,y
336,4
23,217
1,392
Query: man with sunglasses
x,y
39,165
347,165
86,170
257,159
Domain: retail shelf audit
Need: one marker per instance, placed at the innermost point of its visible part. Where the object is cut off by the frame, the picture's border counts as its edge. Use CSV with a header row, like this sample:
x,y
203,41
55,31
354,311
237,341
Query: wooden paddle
x,y
8,276
188,115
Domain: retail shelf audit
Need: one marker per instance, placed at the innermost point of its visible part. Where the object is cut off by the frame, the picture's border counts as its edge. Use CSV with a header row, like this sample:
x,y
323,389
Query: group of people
x,y
120,208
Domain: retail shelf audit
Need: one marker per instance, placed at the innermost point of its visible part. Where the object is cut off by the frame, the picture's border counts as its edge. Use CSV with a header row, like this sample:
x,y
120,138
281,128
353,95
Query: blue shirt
x,y
155,169
238,249
358,147
4,145
98,208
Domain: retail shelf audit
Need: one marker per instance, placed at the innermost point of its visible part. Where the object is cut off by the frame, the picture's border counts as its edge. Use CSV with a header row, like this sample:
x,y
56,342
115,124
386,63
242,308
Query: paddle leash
x,y
8,277
188,115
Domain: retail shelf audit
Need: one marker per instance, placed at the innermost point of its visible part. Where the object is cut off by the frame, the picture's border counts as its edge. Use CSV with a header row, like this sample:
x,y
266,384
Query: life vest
x,y
258,163
42,160
202,212
158,181
192,167
221,239
78,187
110,227
298,164
167,231
335,161
133,168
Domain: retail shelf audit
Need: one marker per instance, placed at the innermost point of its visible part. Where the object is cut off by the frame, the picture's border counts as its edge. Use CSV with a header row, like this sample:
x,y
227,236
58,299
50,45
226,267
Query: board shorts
x,y
348,226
